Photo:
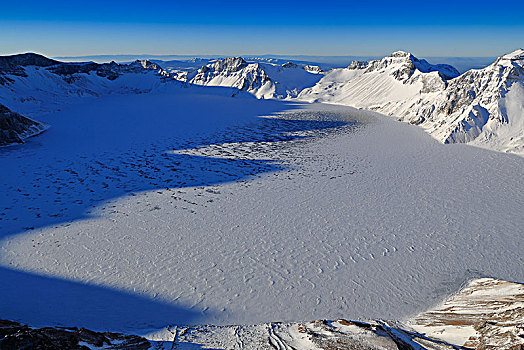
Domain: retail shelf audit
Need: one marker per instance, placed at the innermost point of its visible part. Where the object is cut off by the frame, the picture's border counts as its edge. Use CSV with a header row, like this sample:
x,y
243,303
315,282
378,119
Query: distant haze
x,y
461,63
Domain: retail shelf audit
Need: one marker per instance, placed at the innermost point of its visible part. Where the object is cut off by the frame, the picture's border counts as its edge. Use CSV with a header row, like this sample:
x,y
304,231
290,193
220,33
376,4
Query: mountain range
x,y
484,107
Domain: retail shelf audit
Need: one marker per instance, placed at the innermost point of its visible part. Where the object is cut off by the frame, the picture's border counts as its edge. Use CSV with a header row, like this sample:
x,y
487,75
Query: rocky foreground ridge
x,y
486,314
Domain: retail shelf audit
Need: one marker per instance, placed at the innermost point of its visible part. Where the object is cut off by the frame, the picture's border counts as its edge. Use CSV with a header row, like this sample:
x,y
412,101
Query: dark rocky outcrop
x,y
14,64
14,128
14,336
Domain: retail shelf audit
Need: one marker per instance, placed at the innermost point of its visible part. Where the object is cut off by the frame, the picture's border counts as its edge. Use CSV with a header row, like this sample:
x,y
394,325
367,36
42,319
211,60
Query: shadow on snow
x,y
57,191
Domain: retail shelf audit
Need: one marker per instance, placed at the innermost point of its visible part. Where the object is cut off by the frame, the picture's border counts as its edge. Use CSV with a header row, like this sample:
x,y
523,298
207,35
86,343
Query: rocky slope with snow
x,y
482,106
264,80
486,314
14,128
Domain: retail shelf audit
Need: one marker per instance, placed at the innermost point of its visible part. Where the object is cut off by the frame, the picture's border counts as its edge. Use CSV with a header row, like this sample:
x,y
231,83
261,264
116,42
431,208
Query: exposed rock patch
x,y
14,128
15,336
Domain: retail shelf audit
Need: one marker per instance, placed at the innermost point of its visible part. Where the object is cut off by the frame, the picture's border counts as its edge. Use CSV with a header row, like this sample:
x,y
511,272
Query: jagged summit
x,y
402,65
262,79
232,72
229,64
515,55
146,64
513,59
401,53
445,70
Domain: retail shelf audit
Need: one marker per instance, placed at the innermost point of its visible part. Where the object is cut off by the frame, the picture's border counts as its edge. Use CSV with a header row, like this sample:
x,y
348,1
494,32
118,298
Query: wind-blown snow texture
x,y
202,213
471,107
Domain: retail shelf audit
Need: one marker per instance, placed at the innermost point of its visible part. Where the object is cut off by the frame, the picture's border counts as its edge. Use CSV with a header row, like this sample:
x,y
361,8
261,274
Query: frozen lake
x,y
135,212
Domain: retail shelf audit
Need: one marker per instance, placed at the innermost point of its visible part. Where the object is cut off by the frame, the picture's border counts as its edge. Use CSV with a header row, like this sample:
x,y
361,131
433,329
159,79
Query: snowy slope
x,y
34,85
483,106
264,80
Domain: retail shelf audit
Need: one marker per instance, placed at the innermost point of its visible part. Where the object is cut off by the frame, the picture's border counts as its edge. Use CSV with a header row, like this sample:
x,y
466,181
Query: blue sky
x,y
437,28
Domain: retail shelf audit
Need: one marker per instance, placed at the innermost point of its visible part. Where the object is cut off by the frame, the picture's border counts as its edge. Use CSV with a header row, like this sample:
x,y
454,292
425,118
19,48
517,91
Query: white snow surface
x,y
184,206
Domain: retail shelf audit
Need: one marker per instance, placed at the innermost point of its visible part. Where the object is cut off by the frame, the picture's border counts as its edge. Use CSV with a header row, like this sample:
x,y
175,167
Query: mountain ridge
x,y
481,106
468,108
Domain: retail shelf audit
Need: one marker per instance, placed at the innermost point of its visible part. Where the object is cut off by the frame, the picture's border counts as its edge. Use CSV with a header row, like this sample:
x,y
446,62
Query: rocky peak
x,y
513,60
290,65
230,64
401,53
313,69
146,64
516,55
358,64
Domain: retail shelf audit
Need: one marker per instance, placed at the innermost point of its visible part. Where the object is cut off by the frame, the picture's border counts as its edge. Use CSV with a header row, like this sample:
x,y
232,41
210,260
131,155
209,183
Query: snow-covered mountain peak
x,y
484,106
402,65
401,53
32,84
229,64
513,59
262,79
515,55
408,60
